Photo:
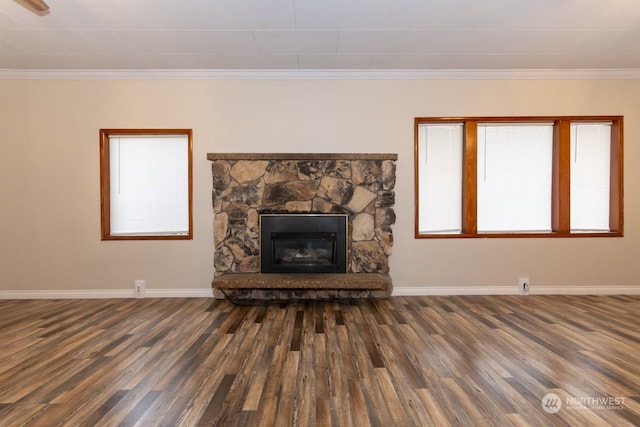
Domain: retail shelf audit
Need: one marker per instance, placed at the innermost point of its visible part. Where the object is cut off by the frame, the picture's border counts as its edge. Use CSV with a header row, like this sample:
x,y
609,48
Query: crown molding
x,y
337,74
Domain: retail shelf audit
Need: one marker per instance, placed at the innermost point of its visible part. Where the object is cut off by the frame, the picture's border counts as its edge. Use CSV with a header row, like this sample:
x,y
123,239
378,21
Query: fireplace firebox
x,y
303,243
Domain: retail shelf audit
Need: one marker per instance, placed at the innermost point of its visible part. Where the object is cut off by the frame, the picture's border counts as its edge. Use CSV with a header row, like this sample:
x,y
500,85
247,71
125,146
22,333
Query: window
x,y
440,157
518,177
590,171
145,178
514,177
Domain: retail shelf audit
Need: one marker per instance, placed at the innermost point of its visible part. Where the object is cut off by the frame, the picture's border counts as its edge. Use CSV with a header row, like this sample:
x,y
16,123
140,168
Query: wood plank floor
x,y
404,361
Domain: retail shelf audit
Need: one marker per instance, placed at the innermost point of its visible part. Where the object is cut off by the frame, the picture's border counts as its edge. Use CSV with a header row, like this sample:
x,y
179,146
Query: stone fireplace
x,y
356,187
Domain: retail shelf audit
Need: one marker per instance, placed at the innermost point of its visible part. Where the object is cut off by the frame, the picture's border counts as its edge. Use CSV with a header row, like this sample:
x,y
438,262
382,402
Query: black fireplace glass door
x,y
300,252
303,243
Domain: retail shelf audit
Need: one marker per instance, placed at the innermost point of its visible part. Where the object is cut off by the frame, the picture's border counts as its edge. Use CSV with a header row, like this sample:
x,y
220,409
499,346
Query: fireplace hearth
x,y
303,243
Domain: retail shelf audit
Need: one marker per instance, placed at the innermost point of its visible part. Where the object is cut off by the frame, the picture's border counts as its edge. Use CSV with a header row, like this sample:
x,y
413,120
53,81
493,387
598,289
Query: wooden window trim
x,y
105,183
616,218
470,178
561,192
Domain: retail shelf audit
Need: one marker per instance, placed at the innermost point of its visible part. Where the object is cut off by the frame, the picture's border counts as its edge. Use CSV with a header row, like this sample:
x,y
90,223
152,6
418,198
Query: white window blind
x,y
149,184
514,177
590,176
440,177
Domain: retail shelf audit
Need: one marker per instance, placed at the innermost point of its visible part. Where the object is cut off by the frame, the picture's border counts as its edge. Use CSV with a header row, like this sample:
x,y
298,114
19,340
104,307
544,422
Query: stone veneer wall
x,y
360,185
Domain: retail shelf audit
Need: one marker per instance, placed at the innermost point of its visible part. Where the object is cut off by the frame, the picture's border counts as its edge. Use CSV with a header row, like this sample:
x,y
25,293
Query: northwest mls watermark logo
x,y
596,403
552,403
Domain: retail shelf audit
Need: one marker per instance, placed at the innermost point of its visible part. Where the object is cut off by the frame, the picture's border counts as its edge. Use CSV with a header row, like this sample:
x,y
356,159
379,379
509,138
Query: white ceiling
x,y
322,35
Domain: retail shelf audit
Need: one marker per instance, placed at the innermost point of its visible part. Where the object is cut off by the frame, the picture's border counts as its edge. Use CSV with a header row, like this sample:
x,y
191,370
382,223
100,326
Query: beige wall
x,y
49,175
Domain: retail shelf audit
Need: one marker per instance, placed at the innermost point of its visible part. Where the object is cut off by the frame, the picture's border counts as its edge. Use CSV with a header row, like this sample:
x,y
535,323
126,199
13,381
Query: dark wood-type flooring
x,y
403,361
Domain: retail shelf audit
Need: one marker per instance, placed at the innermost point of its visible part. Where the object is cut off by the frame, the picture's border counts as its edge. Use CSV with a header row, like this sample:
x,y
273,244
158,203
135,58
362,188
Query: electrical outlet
x,y
524,285
138,288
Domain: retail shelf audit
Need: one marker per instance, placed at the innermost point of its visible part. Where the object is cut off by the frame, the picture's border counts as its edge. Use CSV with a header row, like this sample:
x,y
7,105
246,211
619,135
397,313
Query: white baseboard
x,y
513,290
453,290
397,291
106,293
587,290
